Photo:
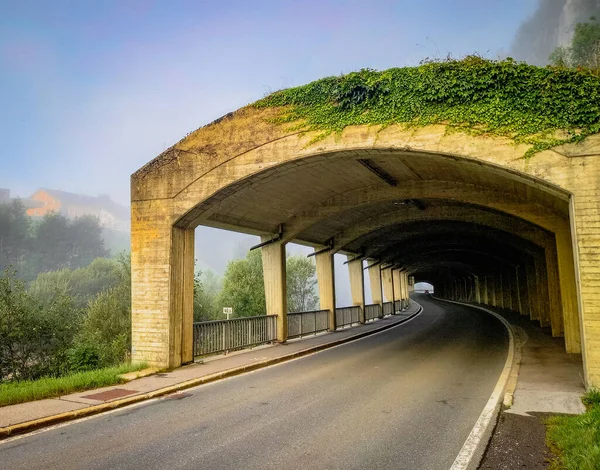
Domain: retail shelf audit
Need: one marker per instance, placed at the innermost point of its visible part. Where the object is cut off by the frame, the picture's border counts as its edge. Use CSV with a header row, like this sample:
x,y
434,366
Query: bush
x,y
34,337
83,357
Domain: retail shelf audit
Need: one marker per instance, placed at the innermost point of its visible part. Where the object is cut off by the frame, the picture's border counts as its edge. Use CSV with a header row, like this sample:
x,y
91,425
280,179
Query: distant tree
x,y
206,291
105,335
87,243
243,286
34,337
14,234
58,243
584,50
82,284
301,284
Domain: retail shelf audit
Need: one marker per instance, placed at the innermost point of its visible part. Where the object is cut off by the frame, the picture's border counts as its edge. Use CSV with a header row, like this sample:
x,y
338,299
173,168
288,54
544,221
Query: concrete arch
x,y
248,174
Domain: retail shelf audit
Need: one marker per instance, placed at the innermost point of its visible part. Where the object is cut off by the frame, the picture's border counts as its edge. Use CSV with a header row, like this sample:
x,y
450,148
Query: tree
x,y
243,286
58,243
301,284
82,284
34,337
584,50
105,334
14,234
206,291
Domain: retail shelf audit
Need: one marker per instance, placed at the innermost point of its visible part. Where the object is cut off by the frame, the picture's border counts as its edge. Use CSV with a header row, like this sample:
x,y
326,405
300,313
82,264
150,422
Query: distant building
x,y
110,214
6,199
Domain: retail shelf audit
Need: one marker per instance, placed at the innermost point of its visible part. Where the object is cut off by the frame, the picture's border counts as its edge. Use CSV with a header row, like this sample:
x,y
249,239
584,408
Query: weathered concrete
x,y
326,281
319,193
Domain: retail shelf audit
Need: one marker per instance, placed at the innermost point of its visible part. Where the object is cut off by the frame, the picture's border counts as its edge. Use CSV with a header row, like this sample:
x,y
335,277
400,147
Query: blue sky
x,y
92,90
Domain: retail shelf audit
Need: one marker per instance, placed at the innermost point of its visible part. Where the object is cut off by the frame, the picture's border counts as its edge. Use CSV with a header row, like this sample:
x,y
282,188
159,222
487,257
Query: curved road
x,y
406,398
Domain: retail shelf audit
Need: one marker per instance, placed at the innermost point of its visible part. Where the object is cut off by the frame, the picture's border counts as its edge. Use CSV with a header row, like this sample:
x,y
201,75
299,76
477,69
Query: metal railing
x,y
372,312
397,306
218,336
388,308
347,315
307,323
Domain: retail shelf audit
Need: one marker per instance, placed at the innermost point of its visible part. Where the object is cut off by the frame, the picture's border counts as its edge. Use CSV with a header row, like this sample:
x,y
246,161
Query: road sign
x,y
227,311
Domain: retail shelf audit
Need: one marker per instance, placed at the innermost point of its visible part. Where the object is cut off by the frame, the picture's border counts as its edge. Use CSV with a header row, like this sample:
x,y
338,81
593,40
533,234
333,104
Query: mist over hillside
x,y
552,25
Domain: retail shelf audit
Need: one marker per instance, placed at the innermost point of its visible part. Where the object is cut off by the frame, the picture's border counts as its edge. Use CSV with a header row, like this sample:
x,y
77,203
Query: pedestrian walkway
x,y
213,368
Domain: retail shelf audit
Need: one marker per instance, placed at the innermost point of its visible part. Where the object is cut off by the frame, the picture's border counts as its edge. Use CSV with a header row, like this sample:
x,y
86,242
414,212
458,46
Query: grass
x,y
12,393
576,439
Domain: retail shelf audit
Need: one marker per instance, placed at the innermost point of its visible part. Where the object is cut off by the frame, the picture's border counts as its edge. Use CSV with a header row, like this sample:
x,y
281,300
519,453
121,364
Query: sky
x,y
92,90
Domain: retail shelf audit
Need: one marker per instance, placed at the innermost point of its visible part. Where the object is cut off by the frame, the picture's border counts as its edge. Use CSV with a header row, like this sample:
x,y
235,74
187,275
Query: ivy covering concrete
x,y
542,107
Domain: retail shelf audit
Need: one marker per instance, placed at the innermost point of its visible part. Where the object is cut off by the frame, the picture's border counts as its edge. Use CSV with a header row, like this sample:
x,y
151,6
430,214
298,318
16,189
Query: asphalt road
x,y
403,399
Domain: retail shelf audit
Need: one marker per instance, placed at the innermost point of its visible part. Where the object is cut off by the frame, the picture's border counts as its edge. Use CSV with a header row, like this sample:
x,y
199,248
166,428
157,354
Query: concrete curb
x,y
476,444
32,425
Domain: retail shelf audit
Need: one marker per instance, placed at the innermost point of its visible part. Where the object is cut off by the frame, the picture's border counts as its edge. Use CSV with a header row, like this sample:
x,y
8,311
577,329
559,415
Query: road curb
x,y
32,425
472,451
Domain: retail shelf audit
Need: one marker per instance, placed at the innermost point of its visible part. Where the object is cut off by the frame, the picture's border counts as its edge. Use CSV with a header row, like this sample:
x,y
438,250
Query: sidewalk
x,y
31,415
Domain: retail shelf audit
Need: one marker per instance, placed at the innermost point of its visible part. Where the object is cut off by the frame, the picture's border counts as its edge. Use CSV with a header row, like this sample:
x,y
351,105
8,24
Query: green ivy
x,y
543,107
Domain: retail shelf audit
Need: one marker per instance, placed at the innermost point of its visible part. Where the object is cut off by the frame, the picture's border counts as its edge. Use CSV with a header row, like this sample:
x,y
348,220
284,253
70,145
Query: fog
x,y
91,91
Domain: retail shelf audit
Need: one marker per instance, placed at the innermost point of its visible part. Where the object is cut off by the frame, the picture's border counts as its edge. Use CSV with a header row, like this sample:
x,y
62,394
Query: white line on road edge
x,y
472,450
152,400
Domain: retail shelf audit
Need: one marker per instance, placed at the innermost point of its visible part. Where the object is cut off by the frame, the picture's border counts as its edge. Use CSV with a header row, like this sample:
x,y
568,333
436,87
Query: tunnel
x,y
467,213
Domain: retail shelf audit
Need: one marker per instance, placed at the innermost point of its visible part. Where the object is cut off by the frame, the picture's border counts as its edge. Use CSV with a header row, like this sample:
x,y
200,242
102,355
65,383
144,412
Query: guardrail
x,y
347,315
373,311
388,308
218,336
307,323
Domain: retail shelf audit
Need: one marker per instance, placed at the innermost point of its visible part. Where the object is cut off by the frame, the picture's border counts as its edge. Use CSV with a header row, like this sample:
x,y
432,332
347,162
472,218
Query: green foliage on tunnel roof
x,y
543,107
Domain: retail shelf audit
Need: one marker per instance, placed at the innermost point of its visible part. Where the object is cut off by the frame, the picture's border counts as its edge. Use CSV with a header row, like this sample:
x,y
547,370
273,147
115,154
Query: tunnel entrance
x,y
465,213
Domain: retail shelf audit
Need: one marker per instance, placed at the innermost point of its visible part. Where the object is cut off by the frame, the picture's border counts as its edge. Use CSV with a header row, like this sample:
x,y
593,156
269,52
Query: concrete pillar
x,y
326,280
515,293
484,291
162,296
397,285
407,288
499,284
477,289
542,276
376,286
507,289
388,284
523,290
404,287
273,258
568,291
554,292
357,285
533,290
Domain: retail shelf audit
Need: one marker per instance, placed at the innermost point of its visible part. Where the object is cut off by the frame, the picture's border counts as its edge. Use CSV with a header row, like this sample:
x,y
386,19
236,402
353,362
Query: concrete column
x,y
357,285
524,290
507,289
388,284
515,293
326,280
492,290
162,275
477,289
376,286
484,291
404,287
273,258
568,291
407,289
499,284
533,290
553,292
397,285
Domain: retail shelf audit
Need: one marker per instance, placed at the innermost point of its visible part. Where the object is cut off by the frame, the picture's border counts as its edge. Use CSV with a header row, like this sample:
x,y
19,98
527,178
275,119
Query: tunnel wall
x,y
222,157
